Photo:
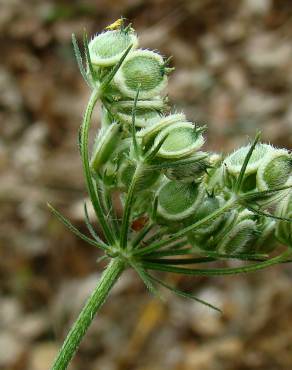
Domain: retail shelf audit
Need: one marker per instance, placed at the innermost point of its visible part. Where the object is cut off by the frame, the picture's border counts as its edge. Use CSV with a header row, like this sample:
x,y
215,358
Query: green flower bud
x,y
178,201
210,204
235,160
240,237
106,142
107,48
275,170
189,172
266,241
284,228
143,70
233,163
182,139
207,238
214,180
146,111
126,171
149,132
109,169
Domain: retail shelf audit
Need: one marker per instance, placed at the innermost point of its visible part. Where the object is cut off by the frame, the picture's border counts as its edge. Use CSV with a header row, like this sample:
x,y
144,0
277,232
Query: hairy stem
x,y
128,206
95,301
84,133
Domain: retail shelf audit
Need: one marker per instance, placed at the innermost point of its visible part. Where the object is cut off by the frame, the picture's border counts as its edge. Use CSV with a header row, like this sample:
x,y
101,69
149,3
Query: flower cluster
x,y
181,205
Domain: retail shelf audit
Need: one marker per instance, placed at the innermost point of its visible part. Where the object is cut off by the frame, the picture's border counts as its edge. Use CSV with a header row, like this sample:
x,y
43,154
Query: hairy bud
x,y
143,70
107,48
180,140
178,201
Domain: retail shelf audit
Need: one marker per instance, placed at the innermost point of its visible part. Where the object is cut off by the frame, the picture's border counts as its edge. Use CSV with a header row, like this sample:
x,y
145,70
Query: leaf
x,y
111,75
261,195
216,271
143,275
240,178
150,155
168,253
266,214
87,55
209,257
179,261
79,60
154,209
181,293
91,228
72,228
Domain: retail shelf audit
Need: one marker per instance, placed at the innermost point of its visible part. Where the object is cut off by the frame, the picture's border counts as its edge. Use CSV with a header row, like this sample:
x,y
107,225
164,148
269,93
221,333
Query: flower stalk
x,y
109,277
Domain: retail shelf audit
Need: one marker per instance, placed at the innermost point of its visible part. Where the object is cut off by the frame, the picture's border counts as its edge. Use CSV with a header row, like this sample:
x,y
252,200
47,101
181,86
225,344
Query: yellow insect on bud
x,y
115,25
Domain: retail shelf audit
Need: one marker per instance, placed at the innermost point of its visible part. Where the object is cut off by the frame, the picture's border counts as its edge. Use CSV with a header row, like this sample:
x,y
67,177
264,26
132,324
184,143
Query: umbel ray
x,y
192,207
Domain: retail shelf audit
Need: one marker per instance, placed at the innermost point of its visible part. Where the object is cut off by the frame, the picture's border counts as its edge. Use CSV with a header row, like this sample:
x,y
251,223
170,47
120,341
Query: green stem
x,y
128,206
84,133
95,301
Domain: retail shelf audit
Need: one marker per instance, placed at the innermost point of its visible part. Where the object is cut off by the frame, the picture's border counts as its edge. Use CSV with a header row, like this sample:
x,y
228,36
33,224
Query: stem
x,y
128,207
142,233
84,133
95,301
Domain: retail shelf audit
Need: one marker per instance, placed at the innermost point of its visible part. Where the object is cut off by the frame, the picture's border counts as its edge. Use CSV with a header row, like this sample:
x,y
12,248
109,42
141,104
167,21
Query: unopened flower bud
x,y
156,125
181,139
143,70
275,170
240,237
105,143
284,228
107,48
145,112
178,201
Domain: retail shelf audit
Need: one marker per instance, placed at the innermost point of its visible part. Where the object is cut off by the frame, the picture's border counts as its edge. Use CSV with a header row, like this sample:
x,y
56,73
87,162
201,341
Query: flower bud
x,y
105,143
233,163
240,238
181,139
107,48
275,170
266,241
235,160
284,228
209,205
178,201
191,171
155,126
146,111
208,238
143,70
126,172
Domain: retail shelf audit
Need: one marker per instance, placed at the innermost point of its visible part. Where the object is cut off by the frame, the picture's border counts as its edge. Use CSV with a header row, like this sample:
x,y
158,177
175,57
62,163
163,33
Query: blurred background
x,y
233,64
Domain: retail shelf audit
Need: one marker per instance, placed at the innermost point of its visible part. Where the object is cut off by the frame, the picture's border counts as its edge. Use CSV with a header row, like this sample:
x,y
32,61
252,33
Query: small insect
x,y
116,25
